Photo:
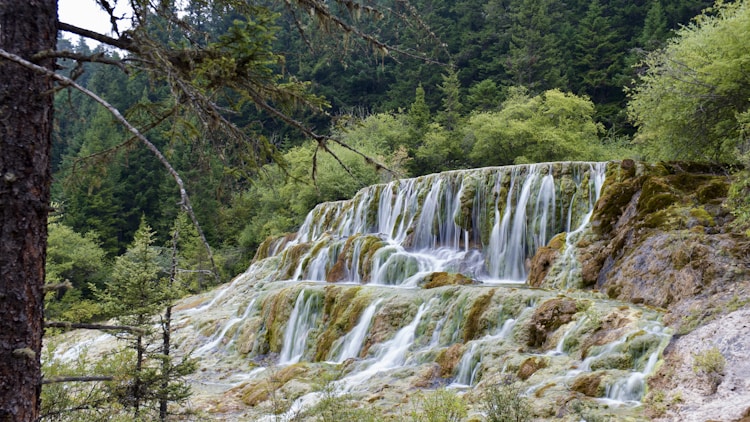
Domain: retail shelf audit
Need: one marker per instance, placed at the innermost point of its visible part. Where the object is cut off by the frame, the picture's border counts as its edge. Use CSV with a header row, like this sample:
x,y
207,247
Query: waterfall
x,y
485,223
468,367
301,322
391,354
216,339
352,342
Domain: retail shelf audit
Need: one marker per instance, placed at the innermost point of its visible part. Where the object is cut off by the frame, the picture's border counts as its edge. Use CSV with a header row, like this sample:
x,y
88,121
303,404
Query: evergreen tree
x,y
655,29
534,59
419,117
597,54
450,114
139,290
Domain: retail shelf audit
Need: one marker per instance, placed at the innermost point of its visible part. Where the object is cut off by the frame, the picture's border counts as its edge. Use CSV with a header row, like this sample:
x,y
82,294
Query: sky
x,y
85,14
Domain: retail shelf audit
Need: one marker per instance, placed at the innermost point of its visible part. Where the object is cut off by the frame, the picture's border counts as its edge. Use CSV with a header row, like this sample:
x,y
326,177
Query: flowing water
x,y
347,292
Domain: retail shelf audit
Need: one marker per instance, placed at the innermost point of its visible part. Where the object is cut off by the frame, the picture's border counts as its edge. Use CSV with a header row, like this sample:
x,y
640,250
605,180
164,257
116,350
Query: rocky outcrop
x,y
683,389
660,237
548,317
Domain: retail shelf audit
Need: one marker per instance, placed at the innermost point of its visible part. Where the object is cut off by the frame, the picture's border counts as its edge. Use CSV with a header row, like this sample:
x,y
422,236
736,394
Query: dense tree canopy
x,y
690,101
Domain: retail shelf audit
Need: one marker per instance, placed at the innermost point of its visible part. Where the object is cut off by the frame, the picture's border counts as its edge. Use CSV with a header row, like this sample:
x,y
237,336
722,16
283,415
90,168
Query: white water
x,y
219,337
390,354
631,388
422,224
301,321
352,342
468,367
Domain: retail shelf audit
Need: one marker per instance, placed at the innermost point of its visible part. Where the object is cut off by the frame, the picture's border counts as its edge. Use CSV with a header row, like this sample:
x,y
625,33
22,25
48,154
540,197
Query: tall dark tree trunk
x,y
26,27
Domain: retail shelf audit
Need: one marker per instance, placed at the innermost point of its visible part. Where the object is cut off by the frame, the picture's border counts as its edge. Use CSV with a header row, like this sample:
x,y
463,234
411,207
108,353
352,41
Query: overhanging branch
x,y
123,43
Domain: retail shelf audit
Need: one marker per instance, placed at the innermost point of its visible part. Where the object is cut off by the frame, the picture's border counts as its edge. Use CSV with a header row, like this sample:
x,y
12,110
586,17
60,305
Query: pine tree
x,y
655,29
534,59
597,55
139,290
452,109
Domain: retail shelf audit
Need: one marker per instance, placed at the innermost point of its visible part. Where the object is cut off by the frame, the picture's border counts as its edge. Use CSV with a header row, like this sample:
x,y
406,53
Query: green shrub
x,y
504,402
442,405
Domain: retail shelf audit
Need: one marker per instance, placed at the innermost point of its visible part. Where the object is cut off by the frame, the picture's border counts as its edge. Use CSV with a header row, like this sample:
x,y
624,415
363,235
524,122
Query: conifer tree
x,y
140,290
655,29
597,55
534,58
452,109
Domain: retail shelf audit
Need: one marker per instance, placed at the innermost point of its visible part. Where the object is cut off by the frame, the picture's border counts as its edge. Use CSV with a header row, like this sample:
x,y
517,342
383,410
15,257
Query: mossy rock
x,y
342,308
622,361
472,323
449,358
530,366
548,317
648,204
589,384
440,279
715,189
701,217
612,203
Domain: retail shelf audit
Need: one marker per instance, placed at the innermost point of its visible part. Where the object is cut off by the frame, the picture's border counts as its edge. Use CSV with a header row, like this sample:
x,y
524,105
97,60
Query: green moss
x,y
622,361
291,258
702,216
341,311
612,203
713,189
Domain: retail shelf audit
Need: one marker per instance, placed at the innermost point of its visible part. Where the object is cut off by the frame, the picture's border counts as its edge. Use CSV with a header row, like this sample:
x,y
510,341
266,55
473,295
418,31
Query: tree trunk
x,y
26,27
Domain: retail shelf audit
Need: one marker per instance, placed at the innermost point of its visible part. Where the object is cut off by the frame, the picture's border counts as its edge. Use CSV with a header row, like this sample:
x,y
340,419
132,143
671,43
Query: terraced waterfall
x,y
420,284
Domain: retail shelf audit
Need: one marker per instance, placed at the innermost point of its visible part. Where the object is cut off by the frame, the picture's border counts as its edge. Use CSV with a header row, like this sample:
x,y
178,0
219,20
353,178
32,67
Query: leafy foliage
x,y
687,103
549,127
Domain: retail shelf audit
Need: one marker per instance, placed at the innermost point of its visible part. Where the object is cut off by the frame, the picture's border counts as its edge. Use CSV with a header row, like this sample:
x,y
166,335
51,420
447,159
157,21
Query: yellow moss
x,y
530,366
589,384
448,359
472,321
439,279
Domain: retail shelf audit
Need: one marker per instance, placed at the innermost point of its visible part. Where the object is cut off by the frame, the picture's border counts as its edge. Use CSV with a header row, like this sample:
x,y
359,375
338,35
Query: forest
x,y
468,84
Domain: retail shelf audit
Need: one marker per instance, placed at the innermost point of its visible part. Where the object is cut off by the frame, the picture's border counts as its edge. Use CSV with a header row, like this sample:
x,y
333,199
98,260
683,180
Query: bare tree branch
x,y
78,325
90,378
124,43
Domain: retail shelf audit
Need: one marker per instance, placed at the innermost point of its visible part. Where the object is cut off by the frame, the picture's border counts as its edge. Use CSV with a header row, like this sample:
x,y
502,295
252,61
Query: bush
x,y
504,402
442,405
710,365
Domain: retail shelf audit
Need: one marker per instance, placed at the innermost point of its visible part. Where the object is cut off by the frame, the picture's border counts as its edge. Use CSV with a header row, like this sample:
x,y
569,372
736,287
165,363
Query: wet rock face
x,y
548,317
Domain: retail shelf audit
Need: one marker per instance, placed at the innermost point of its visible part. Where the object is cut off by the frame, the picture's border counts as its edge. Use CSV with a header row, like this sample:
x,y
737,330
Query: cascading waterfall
x,y
219,337
391,354
302,320
351,343
468,367
441,223
630,389
357,268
